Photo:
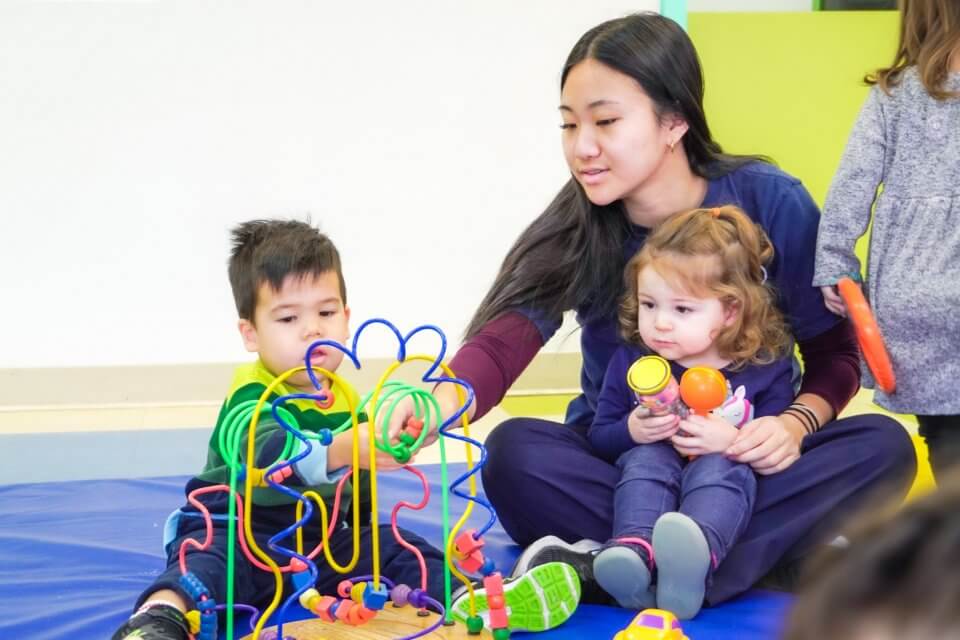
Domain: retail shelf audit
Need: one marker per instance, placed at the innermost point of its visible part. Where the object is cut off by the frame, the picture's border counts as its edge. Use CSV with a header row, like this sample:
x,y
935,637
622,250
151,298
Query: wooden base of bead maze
x,y
390,623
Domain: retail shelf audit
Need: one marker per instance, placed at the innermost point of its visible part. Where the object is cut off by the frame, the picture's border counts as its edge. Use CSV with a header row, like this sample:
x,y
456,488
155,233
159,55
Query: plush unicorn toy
x,y
736,409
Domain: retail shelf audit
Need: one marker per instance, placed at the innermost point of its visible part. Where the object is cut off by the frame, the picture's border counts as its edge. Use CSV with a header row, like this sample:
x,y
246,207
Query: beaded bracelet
x,y
805,415
801,418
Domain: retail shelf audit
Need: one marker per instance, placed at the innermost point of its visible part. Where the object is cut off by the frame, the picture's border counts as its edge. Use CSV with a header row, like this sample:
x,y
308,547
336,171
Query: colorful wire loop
x,y
358,598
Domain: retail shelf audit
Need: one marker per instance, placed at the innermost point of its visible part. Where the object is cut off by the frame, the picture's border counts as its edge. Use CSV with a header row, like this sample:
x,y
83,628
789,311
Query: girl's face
x,y
613,141
677,325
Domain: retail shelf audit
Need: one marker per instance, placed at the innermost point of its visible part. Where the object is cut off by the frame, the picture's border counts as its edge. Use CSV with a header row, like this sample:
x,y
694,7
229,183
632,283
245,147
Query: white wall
x,y
420,134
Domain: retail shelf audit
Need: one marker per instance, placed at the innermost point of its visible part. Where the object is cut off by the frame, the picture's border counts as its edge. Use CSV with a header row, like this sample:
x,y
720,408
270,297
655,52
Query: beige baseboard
x,y
189,395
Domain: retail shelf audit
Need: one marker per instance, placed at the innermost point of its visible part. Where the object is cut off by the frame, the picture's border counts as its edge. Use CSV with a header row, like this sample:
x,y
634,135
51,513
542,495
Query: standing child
x,y
696,294
289,291
907,140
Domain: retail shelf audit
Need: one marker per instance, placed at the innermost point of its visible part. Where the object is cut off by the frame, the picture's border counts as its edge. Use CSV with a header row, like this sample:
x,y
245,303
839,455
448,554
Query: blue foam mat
x,y
75,555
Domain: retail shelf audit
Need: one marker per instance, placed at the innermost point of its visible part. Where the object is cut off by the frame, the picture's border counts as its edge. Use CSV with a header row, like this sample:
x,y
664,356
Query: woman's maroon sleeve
x,y
831,363
494,358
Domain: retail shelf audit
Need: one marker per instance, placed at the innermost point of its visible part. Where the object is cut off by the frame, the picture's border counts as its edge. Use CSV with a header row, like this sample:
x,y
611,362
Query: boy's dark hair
x,y
269,251
897,577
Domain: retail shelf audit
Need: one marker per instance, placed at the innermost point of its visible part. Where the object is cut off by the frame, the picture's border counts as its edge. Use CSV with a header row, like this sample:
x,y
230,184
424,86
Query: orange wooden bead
x,y
322,609
365,614
355,617
467,544
473,562
297,565
343,611
498,619
493,584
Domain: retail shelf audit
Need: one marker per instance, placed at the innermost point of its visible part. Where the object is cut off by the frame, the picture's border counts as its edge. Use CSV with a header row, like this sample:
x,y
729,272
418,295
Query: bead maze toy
x,y
359,608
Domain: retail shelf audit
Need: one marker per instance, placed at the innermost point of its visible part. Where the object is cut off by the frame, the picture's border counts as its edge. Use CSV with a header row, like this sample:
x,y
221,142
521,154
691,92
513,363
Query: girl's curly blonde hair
x,y
718,253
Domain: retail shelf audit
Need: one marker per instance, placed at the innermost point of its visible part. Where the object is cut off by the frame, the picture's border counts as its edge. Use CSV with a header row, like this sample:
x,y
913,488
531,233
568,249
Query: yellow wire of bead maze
x,y
255,477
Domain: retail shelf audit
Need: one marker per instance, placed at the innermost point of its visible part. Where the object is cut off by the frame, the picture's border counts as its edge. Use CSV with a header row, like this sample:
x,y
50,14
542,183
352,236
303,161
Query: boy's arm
x,y
322,465
312,470
339,455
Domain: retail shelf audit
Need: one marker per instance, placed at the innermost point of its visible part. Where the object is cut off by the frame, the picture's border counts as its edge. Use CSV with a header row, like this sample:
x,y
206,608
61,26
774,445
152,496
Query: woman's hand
x,y
645,428
403,411
704,434
448,401
831,298
769,444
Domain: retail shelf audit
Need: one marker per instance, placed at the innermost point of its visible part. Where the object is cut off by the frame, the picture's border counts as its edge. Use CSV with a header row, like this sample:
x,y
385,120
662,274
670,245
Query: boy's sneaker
x,y
578,555
541,599
159,622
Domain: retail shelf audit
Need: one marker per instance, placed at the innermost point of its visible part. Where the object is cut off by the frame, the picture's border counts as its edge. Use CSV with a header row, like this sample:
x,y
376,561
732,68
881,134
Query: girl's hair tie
x,y
715,212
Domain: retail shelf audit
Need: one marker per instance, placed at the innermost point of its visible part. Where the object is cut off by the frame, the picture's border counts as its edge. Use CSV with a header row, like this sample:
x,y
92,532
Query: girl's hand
x,y
767,444
834,302
703,435
645,428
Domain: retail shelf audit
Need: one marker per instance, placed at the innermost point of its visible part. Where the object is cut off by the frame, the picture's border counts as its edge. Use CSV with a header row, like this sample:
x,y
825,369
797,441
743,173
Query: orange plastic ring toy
x,y
868,334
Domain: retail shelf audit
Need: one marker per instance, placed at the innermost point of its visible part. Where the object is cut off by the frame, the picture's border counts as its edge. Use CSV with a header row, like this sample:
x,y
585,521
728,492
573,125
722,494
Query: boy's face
x,y
305,309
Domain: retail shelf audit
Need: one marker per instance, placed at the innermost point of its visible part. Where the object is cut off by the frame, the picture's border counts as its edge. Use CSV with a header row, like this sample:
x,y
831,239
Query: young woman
x,y
639,150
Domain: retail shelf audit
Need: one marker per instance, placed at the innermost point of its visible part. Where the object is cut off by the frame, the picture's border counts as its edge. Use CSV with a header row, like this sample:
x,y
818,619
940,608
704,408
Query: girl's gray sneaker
x,y
683,562
622,572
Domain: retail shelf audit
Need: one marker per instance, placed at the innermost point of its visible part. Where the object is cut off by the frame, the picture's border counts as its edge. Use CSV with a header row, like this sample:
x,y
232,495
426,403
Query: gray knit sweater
x,y
909,144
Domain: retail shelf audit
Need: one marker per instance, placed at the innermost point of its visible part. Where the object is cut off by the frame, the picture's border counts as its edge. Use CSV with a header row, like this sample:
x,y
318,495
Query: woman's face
x,y
612,139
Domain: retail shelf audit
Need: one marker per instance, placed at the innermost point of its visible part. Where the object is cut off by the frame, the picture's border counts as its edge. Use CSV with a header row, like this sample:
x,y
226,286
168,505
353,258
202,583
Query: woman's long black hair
x,y
572,254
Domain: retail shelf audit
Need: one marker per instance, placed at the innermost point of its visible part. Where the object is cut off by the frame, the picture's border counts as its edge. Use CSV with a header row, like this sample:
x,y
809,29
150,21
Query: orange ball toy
x,y
703,389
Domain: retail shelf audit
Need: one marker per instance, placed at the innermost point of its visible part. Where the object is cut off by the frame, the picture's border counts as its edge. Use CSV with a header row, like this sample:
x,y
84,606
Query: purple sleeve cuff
x,y
832,365
494,358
